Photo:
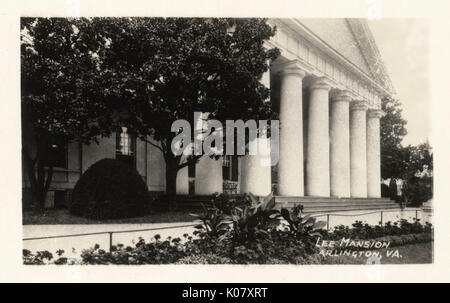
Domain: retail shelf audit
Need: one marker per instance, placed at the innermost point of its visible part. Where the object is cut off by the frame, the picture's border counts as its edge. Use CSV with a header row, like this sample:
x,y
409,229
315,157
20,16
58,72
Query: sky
x,y
403,44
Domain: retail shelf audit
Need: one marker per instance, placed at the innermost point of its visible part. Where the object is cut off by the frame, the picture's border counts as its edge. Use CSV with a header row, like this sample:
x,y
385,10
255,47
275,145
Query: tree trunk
x,y
39,179
171,182
30,167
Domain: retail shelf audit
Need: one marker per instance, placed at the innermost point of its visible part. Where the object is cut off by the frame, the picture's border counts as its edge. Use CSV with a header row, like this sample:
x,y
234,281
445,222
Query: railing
x,y
365,214
110,233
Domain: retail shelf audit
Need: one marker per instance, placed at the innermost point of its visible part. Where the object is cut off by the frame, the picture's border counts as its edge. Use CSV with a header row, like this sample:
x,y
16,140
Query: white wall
x,y
156,167
106,148
208,176
141,158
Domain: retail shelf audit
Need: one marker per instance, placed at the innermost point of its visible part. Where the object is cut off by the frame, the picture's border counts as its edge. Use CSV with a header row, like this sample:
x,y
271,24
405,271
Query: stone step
x,y
341,205
332,201
310,204
347,208
328,199
333,204
292,199
348,203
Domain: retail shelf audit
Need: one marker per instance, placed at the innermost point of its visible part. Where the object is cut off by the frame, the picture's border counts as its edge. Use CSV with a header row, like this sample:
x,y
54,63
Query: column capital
x,y
321,83
294,67
375,113
358,105
341,95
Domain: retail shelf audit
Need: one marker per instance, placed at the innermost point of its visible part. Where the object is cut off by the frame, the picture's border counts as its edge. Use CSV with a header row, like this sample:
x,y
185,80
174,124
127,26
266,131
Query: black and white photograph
x,y
204,140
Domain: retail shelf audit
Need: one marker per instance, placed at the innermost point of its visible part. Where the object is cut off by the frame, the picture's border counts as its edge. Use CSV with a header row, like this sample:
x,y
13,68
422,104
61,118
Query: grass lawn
x,y
421,253
62,216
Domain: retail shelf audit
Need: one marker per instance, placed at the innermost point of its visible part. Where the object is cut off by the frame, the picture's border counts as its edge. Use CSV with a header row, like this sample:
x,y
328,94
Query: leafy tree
x,y
392,131
412,164
61,93
393,189
165,69
418,174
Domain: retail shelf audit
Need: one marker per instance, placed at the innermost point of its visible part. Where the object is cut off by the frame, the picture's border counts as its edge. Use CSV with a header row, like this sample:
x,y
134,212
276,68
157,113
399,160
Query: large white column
x,y
208,171
373,153
290,165
208,176
358,157
318,149
183,181
255,170
340,145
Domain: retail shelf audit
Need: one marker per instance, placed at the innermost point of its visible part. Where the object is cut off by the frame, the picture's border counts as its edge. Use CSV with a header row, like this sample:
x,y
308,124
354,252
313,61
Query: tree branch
x,y
164,147
30,163
189,161
155,145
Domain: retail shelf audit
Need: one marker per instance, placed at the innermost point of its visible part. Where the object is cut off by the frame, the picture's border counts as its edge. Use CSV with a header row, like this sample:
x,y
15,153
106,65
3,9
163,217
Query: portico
x,y
342,137
329,113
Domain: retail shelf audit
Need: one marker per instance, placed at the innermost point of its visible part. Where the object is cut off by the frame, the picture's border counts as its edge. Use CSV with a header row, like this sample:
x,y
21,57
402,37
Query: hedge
x,y
110,189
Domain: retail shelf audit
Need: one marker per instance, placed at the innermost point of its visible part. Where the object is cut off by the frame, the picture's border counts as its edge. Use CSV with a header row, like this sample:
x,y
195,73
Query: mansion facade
x,y
327,84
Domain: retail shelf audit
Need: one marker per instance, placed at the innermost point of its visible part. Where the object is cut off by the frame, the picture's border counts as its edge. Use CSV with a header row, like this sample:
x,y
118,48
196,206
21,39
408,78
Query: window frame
x,y
132,147
230,168
63,148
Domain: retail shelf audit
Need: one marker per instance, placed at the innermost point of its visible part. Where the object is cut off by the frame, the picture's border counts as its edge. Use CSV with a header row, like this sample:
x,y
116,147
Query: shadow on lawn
x,y
62,216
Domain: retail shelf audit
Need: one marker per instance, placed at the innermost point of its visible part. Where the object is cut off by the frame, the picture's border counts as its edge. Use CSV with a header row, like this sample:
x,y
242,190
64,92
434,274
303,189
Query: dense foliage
x,y
418,174
364,231
392,131
165,69
188,250
84,77
411,164
62,93
109,189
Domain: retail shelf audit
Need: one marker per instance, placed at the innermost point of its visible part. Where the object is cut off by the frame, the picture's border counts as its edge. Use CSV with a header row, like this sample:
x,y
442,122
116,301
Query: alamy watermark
x,y
208,138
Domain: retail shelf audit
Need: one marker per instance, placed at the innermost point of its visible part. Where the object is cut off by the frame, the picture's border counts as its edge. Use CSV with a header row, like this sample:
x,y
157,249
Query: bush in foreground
x,y
110,189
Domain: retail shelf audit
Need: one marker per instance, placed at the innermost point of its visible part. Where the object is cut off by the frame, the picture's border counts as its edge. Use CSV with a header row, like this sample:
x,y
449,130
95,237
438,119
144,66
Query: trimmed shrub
x,y
110,189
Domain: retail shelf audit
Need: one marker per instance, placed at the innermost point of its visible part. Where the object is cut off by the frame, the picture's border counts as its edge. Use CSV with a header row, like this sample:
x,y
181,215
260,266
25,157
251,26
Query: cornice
x,y
371,52
306,36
